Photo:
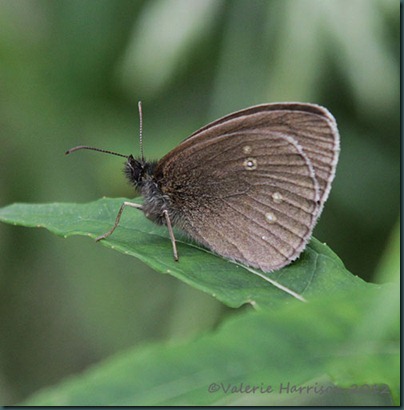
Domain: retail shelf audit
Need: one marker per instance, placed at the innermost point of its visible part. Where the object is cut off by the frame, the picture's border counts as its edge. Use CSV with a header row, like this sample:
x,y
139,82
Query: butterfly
x,y
249,186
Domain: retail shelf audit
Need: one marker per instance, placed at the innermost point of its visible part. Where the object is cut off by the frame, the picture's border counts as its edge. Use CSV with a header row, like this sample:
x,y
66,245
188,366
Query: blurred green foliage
x,y
71,72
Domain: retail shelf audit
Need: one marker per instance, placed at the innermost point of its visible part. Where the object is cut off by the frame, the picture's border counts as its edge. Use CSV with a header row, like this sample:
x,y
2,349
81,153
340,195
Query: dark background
x,y
72,71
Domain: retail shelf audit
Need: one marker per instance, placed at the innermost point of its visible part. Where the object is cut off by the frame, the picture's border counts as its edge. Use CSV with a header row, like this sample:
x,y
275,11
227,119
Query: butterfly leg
x,y
118,218
171,233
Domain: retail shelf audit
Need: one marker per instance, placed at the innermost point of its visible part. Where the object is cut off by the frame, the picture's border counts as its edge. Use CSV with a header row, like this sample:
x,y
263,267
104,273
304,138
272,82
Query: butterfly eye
x,y
134,171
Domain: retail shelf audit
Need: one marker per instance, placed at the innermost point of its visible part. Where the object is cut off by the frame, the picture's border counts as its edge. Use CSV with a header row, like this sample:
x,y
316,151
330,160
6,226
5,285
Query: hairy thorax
x,y
154,202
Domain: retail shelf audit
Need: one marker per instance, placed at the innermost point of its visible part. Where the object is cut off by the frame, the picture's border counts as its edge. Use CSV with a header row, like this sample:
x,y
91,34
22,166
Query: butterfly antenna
x,y
94,149
139,105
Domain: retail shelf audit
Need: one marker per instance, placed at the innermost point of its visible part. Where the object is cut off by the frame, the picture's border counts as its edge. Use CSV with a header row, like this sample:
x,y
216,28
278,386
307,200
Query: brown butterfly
x,y
249,186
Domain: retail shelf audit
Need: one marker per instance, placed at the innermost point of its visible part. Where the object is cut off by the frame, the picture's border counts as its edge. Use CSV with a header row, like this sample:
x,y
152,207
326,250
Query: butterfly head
x,y
138,171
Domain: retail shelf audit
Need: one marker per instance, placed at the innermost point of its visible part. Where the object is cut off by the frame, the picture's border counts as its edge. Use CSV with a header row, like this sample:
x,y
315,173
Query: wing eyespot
x,y
250,164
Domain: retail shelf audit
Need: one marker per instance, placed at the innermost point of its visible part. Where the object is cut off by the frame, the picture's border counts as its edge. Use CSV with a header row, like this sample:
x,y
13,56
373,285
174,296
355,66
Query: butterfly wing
x,y
245,187
313,127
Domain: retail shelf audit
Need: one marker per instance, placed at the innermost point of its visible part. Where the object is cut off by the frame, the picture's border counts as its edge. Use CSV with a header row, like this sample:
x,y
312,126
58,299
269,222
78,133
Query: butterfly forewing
x,y
311,126
249,195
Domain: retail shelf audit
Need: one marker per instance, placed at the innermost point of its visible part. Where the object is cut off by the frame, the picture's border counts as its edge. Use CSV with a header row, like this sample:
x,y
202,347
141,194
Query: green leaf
x,y
317,271
299,345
